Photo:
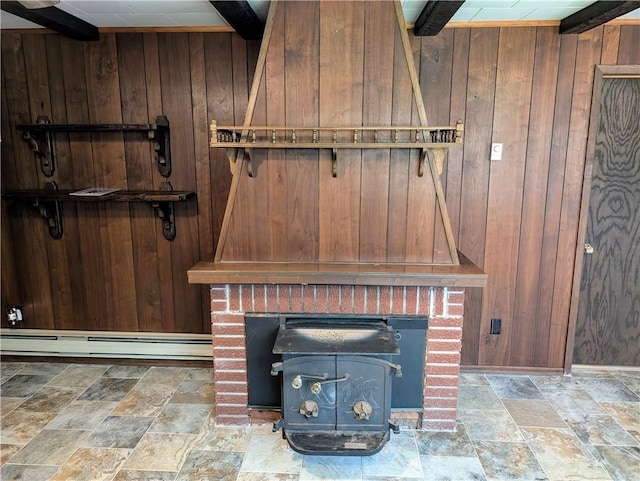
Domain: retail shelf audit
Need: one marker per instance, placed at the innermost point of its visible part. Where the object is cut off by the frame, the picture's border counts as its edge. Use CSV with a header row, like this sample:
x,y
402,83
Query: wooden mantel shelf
x,y
465,275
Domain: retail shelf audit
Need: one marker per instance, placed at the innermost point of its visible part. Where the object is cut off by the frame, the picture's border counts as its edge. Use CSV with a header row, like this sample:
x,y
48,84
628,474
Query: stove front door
x,y
343,392
308,405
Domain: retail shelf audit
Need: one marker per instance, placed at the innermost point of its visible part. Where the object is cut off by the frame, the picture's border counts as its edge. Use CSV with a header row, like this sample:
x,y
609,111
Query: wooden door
x,y
608,321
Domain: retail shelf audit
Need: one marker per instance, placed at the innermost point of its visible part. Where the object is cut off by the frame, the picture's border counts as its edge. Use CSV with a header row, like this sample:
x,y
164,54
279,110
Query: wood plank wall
x,y
338,61
528,88
113,269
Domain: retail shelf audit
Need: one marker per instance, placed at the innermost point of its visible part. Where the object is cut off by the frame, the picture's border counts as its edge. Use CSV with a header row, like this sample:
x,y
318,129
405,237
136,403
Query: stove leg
x,y
277,425
394,427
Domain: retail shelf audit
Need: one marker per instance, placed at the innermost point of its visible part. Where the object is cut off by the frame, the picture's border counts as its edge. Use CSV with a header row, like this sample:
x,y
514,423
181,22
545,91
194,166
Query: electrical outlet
x,y
496,326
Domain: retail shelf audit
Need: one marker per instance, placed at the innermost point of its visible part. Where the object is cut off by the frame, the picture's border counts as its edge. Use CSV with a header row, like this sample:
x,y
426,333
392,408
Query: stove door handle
x,y
316,387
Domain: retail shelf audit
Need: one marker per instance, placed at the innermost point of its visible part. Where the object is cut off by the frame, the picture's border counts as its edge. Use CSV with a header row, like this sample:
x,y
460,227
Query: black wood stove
x,y
336,385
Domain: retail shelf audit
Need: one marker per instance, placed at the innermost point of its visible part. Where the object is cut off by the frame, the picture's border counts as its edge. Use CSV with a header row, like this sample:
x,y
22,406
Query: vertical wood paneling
x,y
219,74
459,75
276,169
588,53
81,161
302,66
555,185
403,104
545,74
8,274
628,52
109,165
378,88
176,95
341,57
40,105
163,248
483,54
610,44
510,126
140,165
28,229
69,248
202,162
436,57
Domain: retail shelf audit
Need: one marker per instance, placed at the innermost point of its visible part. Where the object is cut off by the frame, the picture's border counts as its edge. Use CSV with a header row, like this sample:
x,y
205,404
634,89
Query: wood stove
x,y
336,384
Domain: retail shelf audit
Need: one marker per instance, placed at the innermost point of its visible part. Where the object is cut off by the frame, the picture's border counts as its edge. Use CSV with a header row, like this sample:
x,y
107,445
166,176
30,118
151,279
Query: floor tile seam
x,y
595,462
636,442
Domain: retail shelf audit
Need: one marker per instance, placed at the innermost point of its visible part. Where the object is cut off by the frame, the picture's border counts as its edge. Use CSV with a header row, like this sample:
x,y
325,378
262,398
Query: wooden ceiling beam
x,y
595,14
434,16
240,15
55,19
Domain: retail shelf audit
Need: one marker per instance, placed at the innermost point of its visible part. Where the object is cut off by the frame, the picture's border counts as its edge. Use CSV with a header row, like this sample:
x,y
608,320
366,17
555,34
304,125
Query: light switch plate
x,y
496,151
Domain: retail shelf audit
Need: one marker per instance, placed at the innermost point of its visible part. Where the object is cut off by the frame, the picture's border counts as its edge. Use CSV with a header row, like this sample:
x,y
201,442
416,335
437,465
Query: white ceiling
x,y
200,13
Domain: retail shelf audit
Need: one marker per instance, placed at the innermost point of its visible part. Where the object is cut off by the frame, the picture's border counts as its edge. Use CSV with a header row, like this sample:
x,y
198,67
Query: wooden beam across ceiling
x,y
434,16
595,14
55,19
240,15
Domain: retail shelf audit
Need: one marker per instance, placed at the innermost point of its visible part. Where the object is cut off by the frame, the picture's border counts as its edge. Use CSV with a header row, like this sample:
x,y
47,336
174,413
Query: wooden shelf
x,y
118,196
41,134
436,139
466,274
47,202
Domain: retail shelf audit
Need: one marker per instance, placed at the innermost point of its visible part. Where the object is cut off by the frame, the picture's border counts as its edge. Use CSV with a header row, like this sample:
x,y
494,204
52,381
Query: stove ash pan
x,y
336,385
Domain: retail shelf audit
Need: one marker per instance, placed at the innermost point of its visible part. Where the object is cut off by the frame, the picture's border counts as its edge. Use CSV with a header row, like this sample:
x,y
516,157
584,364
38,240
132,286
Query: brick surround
x,y
444,306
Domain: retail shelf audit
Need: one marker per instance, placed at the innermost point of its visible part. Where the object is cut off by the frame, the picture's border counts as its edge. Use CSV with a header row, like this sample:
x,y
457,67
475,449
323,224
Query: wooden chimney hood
x,y
335,168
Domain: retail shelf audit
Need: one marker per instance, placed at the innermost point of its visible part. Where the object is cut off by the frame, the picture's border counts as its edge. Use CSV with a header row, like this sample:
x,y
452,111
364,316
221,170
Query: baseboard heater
x,y
105,344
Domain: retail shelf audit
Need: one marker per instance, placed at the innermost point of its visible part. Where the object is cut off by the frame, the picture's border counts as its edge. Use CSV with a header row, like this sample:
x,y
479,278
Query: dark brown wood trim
x,y
358,274
434,17
240,15
54,19
595,14
510,370
602,72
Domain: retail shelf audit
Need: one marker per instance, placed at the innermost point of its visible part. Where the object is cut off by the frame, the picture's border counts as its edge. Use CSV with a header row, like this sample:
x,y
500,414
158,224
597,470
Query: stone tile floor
x,y
73,422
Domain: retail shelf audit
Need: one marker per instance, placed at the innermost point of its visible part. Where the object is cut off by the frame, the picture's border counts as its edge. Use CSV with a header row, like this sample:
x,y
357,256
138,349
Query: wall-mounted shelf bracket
x,y
42,132
423,157
334,162
159,135
50,211
247,159
164,211
46,155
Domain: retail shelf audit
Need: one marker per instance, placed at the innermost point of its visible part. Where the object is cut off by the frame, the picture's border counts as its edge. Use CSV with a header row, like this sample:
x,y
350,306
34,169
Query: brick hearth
x,y
444,307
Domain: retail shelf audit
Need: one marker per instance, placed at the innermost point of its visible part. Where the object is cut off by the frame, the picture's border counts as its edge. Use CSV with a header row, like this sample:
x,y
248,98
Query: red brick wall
x,y
443,306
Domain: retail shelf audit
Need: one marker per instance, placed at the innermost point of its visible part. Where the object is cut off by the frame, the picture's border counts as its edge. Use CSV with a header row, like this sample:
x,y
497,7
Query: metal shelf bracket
x,y
165,212
50,211
159,135
47,155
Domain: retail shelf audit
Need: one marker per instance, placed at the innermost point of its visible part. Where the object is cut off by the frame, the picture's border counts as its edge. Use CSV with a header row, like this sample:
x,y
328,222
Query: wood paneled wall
x,y
113,269
335,64
528,88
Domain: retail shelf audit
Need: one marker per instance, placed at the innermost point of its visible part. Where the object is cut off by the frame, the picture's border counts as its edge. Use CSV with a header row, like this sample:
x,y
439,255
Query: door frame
x,y
602,72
